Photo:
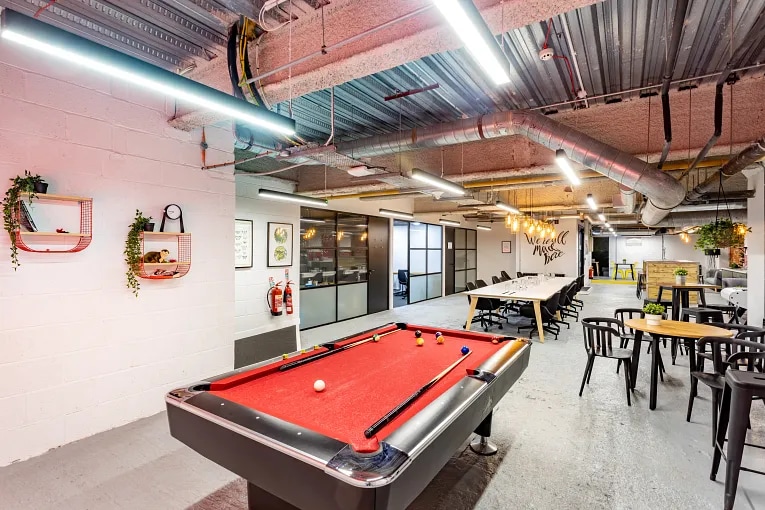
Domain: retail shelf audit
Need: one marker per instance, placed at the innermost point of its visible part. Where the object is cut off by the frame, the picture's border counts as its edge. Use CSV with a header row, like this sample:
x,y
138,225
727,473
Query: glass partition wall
x,y
465,258
333,266
420,246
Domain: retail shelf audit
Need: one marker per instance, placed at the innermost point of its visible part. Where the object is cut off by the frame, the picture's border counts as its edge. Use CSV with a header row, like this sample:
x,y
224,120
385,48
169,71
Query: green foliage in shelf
x,y
653,309
681,272
133,250
11,224
723,233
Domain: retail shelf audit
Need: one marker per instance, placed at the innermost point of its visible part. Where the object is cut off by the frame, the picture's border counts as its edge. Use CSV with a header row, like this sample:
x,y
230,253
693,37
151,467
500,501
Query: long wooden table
x,y
674,329
507,291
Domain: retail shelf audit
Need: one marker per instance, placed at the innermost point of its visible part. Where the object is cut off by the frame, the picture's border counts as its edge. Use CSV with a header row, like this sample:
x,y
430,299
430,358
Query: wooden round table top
x,y
678,329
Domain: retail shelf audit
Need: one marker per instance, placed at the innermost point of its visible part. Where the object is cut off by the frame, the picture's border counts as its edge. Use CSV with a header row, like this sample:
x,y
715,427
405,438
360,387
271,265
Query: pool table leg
x,y
481,444
540,324
259,499
471,312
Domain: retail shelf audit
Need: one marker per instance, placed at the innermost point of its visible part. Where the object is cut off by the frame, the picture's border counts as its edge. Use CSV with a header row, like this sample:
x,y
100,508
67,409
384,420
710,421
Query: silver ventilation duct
x,y
743,159
700,218
661,190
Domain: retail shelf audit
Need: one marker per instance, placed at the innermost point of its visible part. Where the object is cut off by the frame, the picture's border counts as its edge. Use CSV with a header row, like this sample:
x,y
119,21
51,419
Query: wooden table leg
x,y
540,324
654,370
636,347
471,312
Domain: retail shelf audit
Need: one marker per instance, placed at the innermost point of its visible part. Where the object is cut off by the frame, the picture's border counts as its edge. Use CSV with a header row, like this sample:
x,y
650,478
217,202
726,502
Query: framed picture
x,y
279,244
506,246
243,243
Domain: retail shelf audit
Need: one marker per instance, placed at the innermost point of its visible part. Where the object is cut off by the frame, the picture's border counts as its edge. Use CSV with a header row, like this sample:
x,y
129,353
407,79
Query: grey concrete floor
x,y
556,450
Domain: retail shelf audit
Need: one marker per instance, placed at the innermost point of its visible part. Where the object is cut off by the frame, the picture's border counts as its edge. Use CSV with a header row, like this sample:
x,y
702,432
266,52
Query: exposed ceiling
x,y
618,45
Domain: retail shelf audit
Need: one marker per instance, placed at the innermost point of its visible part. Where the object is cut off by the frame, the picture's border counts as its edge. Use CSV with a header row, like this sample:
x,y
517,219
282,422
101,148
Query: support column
x,y
755,243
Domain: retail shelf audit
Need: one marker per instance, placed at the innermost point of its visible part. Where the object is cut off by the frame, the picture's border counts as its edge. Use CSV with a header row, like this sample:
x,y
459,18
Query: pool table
x,y
299,448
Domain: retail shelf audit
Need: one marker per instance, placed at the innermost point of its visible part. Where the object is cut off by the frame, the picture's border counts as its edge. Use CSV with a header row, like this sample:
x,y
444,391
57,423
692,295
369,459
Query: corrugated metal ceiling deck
x,y
619,44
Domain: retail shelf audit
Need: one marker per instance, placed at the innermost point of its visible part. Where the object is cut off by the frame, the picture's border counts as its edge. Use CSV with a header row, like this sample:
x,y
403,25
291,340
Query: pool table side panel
x,y
298,483
429,460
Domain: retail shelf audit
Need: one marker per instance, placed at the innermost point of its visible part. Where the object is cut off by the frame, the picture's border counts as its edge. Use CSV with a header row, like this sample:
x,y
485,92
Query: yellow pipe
x,y
527,180
683,164
366,194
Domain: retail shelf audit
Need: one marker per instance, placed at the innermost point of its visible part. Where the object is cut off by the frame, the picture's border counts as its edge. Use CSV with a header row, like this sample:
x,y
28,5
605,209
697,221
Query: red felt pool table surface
x,y
363,383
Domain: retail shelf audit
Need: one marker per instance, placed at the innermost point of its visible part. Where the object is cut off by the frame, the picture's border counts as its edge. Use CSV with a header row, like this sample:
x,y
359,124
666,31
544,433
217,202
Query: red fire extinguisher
x,y
592,272
274,299
288,298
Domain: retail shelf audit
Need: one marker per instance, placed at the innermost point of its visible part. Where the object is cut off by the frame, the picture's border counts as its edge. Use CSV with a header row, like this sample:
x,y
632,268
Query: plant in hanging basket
x,y
133,250
27,184
723,233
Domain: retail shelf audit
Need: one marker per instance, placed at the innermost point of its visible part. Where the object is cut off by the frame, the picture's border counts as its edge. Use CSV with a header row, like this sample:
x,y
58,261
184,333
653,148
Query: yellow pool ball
x,y
440,340
420,342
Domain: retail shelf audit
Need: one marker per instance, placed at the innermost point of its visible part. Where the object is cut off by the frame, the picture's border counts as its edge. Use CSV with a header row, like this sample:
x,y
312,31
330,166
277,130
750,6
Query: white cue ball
x,y
319,385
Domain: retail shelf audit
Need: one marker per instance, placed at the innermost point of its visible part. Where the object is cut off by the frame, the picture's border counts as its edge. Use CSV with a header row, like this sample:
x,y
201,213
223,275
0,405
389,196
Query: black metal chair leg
x,y
590,359
715,412
691,398
627,381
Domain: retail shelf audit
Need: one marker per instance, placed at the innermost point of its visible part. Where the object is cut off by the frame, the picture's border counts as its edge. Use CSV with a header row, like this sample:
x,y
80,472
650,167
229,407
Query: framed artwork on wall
x,y
506,246
279,244
242,243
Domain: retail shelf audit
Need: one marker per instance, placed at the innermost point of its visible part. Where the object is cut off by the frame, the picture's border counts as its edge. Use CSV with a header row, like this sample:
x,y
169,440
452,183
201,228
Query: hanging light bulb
x,y
515,225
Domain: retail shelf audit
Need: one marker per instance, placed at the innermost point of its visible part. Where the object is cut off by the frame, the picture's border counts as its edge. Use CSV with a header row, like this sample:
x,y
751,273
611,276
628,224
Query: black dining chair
x,y
727,354
505,276
403,282
485,308
600,335
547,310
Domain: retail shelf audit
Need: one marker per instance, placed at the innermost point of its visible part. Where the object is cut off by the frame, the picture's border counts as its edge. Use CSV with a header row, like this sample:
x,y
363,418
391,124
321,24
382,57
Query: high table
x,y
536,293
668,328
680,295
631,266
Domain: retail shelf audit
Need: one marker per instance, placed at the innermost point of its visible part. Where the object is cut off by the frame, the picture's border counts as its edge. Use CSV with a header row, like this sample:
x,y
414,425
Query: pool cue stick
x,y
303,361
371,431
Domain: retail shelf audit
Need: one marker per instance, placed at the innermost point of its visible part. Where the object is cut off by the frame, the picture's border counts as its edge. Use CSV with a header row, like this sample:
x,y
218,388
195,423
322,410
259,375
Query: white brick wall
x,y
252,315
78,353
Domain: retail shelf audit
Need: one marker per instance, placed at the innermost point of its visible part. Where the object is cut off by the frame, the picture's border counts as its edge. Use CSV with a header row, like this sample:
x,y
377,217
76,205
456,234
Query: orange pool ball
x,y
440,340
420,342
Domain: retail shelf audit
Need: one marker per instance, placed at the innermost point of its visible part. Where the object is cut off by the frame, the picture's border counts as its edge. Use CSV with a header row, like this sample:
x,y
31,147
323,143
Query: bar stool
x,y
727,309
702,314
740,388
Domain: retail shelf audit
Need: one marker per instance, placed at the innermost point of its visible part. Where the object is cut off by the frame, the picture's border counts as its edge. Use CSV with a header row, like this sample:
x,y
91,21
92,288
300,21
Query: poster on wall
x,y
548,249
242,243
279,244
506,246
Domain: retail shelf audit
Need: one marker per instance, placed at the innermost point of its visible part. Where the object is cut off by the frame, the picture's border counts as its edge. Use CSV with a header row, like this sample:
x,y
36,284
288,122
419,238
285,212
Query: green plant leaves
x,y
721,234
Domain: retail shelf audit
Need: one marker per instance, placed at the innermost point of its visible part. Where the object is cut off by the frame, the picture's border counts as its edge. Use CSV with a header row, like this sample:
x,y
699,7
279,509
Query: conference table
x,y
689,331
529,288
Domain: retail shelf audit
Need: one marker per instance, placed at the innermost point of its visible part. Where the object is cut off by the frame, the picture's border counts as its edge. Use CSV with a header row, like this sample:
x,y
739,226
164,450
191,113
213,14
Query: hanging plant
x,y
27,184
723,233
133,250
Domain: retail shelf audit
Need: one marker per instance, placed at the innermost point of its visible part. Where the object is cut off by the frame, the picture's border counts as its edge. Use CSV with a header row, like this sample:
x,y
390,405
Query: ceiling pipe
x,y
681,7
700,218
628,199
662,191
743,159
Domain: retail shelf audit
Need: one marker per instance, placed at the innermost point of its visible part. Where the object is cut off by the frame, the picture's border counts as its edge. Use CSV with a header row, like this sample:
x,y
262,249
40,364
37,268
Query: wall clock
x,y
172,212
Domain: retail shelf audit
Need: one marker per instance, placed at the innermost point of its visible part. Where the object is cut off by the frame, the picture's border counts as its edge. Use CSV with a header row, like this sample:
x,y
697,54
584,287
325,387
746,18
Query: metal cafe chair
x,y
600,334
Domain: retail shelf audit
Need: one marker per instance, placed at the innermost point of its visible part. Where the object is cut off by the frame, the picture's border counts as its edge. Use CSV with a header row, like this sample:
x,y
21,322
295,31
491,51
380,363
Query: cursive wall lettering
x,y
550,249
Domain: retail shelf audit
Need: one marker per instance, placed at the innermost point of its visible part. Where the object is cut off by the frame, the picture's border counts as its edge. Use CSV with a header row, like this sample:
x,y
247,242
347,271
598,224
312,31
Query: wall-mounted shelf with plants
x,y
171,258
18,220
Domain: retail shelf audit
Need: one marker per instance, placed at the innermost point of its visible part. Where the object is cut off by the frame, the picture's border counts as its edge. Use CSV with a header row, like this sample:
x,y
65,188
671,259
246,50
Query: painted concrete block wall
x,y
252,314
668,247
79,353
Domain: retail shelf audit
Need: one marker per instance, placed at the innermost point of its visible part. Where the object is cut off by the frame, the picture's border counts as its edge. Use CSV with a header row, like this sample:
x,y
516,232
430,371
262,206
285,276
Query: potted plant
x,y
654,313
27,184
680,276
133,249
624,261
723,233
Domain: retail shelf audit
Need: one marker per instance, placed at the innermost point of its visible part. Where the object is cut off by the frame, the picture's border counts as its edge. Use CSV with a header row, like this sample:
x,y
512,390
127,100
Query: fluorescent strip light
x,y
438,182
601,217
507,207
290,197
562,160
397,214
451,223
482,227
76,50
470,26
311,220
591,202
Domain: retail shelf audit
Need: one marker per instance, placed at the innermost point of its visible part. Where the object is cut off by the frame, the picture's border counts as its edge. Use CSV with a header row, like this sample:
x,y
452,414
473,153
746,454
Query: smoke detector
x,y
360,171
546,54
